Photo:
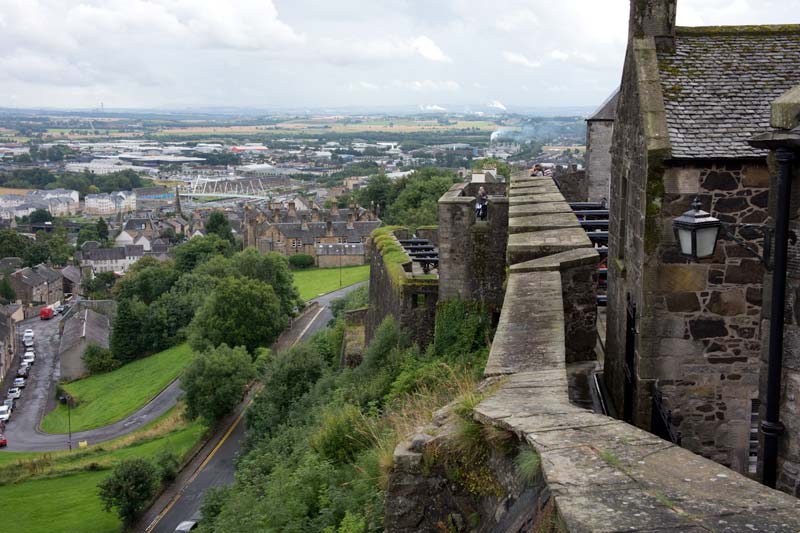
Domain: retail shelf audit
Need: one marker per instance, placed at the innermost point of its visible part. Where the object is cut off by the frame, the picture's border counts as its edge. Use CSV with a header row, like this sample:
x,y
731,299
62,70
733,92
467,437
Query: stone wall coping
x,y
604,474
559,261
542,198
540,222
538,209
570,237
785,112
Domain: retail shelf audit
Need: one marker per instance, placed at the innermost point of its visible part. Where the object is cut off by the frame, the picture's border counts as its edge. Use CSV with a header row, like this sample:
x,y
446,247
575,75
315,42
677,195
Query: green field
x,y
106,398
315,282
58,491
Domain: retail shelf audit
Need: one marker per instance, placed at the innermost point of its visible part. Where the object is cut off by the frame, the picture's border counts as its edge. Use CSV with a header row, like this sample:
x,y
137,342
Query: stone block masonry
x,y
601,474
395,290
471,251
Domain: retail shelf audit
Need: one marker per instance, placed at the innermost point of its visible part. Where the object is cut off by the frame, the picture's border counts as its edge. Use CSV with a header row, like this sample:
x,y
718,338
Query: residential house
x,y
10,315
81,330
37,285
99,204
72,279
683,340
118,259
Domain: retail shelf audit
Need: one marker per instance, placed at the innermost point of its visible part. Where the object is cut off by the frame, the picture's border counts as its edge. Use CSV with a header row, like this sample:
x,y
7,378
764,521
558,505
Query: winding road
x,y
23,432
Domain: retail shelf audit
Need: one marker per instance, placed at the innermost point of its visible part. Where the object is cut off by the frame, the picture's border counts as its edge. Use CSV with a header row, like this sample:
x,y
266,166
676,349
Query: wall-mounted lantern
x,y
696,232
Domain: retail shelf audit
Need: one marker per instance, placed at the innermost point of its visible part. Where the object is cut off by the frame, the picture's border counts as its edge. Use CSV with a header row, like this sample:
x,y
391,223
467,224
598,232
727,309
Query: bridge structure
x,y
250,188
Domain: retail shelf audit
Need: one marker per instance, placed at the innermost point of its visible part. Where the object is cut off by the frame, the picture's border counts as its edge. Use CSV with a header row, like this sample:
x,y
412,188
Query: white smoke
x,y
496,104
432,107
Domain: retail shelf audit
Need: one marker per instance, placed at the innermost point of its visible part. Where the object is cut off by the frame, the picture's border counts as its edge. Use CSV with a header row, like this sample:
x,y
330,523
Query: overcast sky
x,y
315,53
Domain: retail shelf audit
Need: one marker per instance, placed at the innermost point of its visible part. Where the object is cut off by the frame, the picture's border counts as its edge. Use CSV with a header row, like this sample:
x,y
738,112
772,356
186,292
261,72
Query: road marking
x,y
200,468
196,473
321,309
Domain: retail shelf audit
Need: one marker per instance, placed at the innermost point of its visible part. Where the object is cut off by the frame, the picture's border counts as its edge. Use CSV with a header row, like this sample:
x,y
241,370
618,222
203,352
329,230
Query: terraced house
x,y
684,337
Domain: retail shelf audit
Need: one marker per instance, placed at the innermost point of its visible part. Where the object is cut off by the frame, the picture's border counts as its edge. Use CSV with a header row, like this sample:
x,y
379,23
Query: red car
x,y
46,313
3,441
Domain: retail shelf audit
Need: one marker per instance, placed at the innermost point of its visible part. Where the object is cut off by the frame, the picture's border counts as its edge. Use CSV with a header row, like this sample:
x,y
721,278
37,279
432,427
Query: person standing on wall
x,y
482,205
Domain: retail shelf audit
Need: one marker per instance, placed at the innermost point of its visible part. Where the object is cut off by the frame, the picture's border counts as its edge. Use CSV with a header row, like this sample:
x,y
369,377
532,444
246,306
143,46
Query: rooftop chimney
x,y
350,219
315,215
329,228
335,207
292,210
303,223
654,18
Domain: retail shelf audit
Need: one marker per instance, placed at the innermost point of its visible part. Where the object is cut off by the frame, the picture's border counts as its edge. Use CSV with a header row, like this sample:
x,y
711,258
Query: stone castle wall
x,y
598,158
409,299
600,473
470,250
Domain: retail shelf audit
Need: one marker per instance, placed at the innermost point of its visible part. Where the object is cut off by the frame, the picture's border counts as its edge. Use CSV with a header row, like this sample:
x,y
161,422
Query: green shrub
x,y
528,465
301,261
341,435
98,360
130,488
168,465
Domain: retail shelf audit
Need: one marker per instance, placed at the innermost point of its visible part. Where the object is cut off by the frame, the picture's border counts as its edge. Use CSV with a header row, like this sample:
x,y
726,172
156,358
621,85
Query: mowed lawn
x,y
315,282
69,502
107,398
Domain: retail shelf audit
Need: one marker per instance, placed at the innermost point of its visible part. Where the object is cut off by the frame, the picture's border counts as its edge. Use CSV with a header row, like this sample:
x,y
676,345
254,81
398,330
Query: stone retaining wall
x,y
602,474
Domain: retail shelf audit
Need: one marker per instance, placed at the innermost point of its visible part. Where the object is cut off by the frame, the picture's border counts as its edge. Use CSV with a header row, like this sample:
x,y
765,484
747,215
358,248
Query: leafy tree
x,y
146,283
88,232
416,203
195,251
379,191
7,293
218,225
169,234
98,359
36,253
168,464
99,287
59,249
102,229
502,167
40,215
129,488
173,311
240,312
12,244
129,340
301,261
215,380
272,269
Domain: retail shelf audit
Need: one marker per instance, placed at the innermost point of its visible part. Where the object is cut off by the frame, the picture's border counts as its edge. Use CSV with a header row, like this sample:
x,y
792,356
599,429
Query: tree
x,y
218,225
40,215
129,488
215,380
502,167
195,251
7,293
379,192
98,359
417,202
102,229
99,286
12,244
272,269
240,312
87,232
128,341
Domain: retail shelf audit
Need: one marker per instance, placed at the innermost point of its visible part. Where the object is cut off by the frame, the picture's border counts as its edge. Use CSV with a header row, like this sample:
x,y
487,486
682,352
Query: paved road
x,y
219,468
23,432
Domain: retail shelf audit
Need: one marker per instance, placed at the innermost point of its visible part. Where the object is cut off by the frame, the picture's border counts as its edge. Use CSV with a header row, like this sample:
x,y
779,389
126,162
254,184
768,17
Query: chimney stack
x,y
303,223
315,215
335,207
654,18
329,228
350,220
292,213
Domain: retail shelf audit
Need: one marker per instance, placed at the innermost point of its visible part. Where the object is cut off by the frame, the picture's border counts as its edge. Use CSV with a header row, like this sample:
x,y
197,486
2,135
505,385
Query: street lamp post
x,y
66,399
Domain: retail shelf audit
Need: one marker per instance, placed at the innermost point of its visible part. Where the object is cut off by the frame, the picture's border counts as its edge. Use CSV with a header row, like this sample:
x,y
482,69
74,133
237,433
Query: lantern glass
x,y
706,241
685,240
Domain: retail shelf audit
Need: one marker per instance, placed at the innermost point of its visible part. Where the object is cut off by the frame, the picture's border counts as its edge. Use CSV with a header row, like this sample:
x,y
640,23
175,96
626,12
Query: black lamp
x,y
696,232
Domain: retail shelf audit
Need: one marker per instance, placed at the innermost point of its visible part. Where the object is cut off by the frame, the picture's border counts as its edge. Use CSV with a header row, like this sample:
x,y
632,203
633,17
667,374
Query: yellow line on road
x,y
205,462
200,468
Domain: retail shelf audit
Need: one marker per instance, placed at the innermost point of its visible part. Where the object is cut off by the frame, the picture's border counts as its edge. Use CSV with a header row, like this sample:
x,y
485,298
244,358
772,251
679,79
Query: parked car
x,y
61,309
46,313
28,358
28,342
28,332
22,371
19,382
3,441
9,402
14,393
5,413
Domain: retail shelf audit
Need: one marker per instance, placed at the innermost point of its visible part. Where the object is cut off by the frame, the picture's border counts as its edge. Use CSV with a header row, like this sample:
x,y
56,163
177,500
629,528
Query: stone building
x,y
599,131
81,330
334,237
37,285
683,338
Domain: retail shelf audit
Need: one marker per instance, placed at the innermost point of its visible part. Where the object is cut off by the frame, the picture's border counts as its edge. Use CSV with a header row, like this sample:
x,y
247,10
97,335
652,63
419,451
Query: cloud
x,y
518,59
427,85
517,20
428,49
364,86
433,107
496,104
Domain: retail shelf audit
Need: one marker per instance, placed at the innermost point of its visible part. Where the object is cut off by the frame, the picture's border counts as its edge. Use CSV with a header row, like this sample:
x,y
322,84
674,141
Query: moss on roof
x,y
766,29
394,257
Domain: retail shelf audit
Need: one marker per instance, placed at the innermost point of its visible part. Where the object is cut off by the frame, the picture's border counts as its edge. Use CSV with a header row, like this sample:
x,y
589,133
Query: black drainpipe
x,y
771,426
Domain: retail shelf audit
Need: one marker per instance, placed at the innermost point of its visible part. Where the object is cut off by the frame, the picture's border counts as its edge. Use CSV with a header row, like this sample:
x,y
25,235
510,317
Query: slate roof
x,y
315,230
29,277
72,273
608,109
89,325
719,83
47,273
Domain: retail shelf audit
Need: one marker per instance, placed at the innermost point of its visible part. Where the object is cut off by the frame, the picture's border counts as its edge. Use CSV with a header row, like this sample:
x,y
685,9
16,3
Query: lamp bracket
x,y
766,256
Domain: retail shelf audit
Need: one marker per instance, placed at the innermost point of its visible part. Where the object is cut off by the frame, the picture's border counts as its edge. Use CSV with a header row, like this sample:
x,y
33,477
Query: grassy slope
x,y
69,501
106,398
314,282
